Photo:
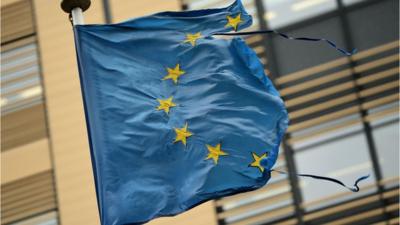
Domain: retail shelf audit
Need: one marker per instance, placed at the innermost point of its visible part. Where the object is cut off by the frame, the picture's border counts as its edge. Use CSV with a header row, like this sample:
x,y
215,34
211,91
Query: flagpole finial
x,y
68,5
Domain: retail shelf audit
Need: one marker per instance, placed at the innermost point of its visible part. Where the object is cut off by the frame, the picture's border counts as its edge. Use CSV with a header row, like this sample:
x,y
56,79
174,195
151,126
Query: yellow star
x,y
233,22
182,134
192,38
174,74
257,161
215,152
165,104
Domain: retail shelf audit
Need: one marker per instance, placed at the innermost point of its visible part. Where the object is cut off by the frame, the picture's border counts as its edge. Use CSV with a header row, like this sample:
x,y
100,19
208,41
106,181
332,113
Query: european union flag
x,y
175,116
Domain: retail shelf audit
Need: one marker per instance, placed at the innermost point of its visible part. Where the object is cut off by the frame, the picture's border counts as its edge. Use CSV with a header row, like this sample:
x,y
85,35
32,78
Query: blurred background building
x,y
344,113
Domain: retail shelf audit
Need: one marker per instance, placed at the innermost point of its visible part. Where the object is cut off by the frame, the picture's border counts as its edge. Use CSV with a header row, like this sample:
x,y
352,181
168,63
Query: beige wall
x,y
74,179
7,2
24,161
126,9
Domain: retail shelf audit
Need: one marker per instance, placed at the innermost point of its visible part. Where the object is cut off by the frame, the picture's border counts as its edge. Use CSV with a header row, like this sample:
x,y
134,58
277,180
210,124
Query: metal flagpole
x,y
77,16
75,8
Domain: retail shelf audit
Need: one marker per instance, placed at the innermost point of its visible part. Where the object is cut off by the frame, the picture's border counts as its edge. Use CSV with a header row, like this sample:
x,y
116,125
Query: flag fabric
x,y
175,116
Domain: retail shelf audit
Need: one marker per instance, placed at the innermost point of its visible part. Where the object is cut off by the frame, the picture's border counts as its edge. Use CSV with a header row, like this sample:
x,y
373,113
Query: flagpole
x,y
75,8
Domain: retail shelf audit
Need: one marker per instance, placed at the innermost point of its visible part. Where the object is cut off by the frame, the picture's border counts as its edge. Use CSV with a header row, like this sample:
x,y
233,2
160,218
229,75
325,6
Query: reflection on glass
x,y
350,2
284,12
345,159
386,136
20,76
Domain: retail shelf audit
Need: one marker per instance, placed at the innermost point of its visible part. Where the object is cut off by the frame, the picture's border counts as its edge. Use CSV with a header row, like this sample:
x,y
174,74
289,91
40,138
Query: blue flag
x,y
175,116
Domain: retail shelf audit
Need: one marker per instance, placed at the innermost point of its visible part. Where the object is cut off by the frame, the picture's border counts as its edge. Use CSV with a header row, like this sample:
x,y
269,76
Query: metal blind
x,y
27,197
16,21
330,92
22,107
20,80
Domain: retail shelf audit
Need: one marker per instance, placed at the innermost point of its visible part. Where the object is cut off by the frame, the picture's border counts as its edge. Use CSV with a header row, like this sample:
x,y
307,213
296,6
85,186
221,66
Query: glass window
x,y
292,56
327,136
383,17
21,94
21,86
281,13
386,137
345,159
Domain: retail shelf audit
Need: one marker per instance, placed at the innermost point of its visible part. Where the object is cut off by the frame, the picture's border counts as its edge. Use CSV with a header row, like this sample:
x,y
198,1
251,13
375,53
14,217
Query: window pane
x,y
382,16
20,78
292,56
386,136
345,159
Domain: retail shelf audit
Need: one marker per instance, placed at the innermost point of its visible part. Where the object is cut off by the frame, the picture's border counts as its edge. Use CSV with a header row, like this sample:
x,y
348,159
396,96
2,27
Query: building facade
x,y
344,113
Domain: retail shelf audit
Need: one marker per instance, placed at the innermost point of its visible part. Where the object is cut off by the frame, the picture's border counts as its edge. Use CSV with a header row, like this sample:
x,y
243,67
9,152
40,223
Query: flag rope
x,y
331,43
355,187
